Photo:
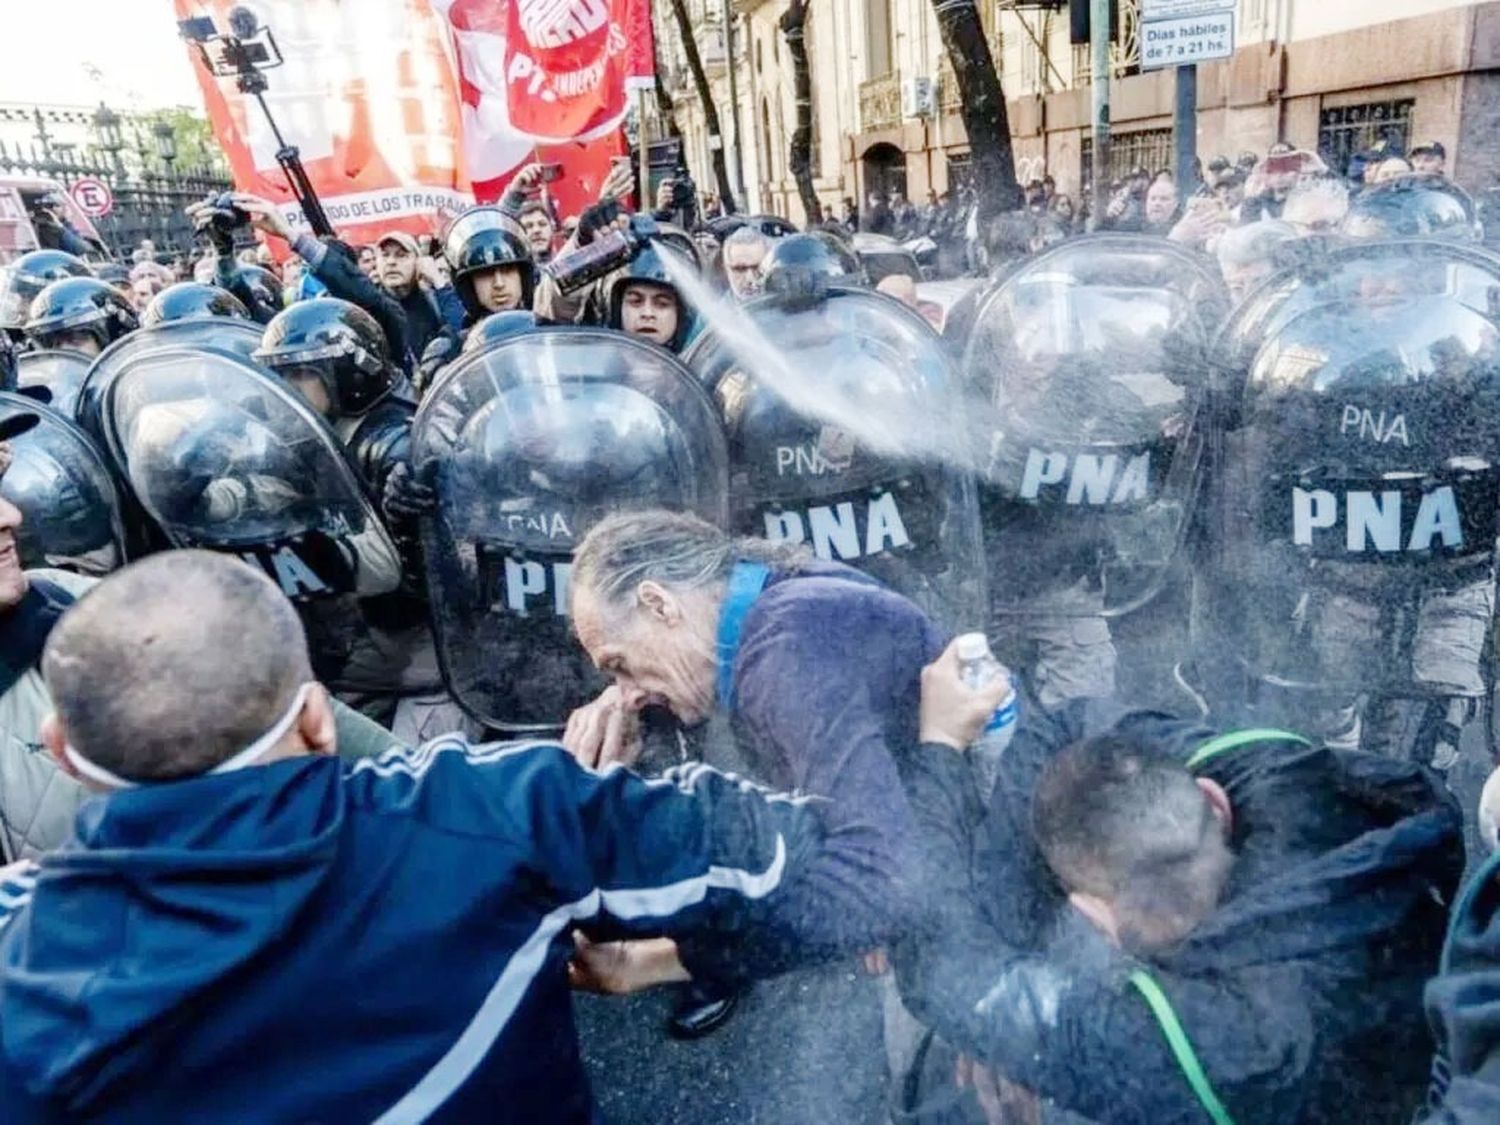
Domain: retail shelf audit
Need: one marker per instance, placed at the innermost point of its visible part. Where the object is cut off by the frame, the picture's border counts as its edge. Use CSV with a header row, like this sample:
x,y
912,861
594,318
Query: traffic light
x,y
1078,21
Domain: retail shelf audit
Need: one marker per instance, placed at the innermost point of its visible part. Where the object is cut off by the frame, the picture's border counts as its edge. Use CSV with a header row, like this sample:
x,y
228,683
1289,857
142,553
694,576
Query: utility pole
x,y
1185,129
1099,29
737,167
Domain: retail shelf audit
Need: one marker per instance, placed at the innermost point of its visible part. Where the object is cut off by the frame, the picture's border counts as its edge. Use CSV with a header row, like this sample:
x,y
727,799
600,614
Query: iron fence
x,y
148,202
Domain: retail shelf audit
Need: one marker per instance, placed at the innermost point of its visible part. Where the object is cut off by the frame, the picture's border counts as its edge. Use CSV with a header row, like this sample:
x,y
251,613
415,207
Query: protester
x,y
1316,206
1430,159
813,667
1137,929
369,263
1247,255
214,762
1161,211
744,252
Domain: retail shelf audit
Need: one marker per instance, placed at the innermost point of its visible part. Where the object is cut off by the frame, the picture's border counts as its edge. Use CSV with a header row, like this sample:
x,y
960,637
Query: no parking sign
x,y
93,197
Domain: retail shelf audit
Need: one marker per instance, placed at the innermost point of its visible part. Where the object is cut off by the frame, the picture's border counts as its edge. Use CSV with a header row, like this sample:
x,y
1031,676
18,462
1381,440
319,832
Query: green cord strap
x,y
1237,738
1187,1059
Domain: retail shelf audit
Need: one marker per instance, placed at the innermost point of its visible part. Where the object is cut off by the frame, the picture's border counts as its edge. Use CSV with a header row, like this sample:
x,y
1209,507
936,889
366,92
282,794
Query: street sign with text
x,y
1154,10
1181,42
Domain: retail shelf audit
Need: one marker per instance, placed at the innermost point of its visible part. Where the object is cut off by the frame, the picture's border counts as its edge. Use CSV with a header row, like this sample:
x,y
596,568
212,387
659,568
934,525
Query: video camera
x,y
243,54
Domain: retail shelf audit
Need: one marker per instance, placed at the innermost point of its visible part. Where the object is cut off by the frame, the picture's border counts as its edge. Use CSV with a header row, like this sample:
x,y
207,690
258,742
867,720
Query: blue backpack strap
x,y
746,582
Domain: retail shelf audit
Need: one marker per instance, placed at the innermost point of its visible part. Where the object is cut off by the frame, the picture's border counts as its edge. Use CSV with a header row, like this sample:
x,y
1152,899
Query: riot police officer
x,y
643,300
493,269
334,354
27,276
191,300
82,313
1352,523
805,264
493,272
1414,206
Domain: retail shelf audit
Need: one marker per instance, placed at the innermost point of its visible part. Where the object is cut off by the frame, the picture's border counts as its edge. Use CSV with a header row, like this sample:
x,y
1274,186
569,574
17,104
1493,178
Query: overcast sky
x,y
51,47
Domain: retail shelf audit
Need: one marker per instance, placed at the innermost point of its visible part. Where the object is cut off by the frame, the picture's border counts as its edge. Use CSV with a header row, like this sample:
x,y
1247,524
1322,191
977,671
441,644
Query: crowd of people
x,y
541,671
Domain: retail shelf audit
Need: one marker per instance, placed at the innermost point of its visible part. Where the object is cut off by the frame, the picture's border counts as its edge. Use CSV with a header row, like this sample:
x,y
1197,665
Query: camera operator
x,y
336,265
55,232
216,220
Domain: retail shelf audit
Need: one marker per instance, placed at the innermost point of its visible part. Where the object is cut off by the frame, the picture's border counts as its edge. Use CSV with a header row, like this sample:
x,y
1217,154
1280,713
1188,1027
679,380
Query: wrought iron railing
x,y
148,203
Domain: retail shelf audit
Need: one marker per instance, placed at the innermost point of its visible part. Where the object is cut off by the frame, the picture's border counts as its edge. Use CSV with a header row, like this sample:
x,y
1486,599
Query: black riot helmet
x,y
79,305
1415,206
192,300
803,266
485,238
335,344
264,285
648,267
499,326
27,276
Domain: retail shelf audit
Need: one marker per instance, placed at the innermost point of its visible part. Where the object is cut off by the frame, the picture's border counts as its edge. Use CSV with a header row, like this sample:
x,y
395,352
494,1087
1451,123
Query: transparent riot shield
x,y
1093,391
239,337
63,488
222,456
848,432
531,442
53,377
1350,532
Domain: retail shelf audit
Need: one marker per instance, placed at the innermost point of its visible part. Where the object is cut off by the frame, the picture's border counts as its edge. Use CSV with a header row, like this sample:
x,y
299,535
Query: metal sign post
x,y
1099,28
1181,34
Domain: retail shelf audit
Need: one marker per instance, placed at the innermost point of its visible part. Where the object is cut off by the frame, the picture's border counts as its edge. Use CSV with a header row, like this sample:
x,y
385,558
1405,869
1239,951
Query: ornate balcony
x,y
880,102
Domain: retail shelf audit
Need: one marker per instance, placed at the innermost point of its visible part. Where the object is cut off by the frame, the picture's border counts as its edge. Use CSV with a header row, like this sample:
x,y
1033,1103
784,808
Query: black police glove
x,y
596,218
437,355
405,497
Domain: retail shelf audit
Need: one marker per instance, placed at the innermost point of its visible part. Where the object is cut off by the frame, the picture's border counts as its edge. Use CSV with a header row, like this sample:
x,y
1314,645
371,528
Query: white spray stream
x,y
864,398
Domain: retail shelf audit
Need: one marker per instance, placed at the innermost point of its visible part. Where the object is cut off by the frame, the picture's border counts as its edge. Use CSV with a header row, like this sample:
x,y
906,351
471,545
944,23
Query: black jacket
x,y
1462,1005
1299,997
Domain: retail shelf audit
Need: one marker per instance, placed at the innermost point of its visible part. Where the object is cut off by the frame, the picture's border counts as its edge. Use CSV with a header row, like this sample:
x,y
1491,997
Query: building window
x,y
1150,149
878,37
960,174
1352,129
757,56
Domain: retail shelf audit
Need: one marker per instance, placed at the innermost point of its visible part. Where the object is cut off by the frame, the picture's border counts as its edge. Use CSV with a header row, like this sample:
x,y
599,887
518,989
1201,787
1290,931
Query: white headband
x,y
246,757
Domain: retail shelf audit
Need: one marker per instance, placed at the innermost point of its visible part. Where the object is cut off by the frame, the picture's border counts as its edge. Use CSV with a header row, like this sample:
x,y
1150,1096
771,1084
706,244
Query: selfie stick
x,y
244,62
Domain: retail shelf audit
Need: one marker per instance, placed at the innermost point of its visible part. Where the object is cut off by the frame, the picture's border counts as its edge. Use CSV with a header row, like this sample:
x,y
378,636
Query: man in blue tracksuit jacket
x,y
246,930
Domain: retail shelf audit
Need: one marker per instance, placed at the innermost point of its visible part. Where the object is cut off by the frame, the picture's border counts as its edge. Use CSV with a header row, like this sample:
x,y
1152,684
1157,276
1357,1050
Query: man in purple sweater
x,y
815,667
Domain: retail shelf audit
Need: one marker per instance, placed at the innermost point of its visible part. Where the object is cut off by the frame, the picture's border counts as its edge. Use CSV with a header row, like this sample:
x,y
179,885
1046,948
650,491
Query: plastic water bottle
x,y
977,666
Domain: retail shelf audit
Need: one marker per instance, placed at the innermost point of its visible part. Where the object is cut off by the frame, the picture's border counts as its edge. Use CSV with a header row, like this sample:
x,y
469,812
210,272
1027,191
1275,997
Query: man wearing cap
x,y
416,282
1430,159
38,801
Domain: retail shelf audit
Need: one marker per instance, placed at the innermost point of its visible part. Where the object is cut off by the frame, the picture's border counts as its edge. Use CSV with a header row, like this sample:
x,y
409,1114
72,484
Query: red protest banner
x,y
547,77
367,94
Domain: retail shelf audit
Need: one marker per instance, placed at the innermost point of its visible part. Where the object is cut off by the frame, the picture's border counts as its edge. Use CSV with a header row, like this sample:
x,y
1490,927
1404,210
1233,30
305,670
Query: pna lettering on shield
x,y
1378,519
843,531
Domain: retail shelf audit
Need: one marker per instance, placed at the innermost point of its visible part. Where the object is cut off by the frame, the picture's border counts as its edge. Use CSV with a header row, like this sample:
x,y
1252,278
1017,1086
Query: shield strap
x,y
746,582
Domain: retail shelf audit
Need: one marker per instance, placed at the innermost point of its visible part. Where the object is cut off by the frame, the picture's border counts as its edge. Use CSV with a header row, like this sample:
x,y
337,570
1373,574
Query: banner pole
x,y
643,154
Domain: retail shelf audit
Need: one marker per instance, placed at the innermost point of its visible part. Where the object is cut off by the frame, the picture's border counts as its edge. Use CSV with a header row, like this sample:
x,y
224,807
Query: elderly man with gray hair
x,y
245,929
806,675
1247,254
744,251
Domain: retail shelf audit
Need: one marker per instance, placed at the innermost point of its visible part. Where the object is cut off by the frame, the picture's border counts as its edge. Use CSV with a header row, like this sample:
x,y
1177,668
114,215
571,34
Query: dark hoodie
x,y
294,943
1300,996
1463,1004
